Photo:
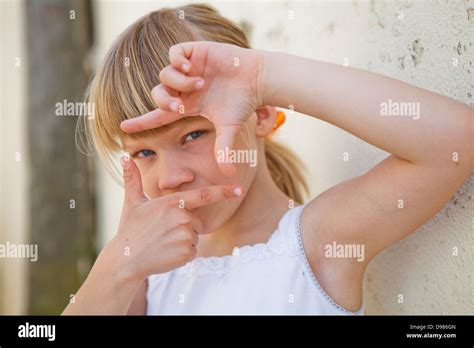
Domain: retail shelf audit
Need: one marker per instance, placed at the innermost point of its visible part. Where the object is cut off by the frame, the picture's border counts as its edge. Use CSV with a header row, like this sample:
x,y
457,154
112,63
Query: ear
x,y
266,119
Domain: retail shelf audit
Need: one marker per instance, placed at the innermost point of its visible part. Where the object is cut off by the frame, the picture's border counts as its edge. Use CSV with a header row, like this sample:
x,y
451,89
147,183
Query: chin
x,y
206,216
213,216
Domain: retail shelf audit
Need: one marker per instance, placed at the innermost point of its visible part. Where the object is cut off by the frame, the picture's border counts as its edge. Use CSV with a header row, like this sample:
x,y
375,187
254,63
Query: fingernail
x,y
124,160
185,67
237,191
174,106
198,84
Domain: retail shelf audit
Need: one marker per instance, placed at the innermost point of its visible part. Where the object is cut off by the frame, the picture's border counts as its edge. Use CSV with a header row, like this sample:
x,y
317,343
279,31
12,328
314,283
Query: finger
x,y
132,183
173,78
164,97
194,235
189,217
185,232
206,195
153,119
180,54
225,137
196,223
195,239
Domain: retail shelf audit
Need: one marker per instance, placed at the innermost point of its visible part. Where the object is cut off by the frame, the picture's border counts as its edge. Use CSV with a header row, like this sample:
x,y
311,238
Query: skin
x,y
363,210
171,165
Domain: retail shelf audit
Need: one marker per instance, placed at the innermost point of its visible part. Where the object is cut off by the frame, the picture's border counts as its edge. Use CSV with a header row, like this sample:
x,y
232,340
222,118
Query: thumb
x,y
132,182
225,136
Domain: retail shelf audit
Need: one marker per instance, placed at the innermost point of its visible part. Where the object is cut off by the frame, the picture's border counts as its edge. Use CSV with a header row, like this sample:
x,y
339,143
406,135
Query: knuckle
x,y
156,120
163,73
176,202
190,83
195,239
227,192
189,233
183,217
205,195
173,49
198,225
184,233
189,252
155,90
157,96
127,177
170,202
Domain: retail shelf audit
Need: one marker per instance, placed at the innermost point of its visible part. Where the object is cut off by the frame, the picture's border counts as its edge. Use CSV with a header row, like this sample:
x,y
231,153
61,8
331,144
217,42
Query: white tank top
x,y
265,278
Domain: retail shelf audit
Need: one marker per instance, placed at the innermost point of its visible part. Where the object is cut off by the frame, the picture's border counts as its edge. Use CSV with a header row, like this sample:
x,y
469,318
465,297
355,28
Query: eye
x,y
144,153
194,135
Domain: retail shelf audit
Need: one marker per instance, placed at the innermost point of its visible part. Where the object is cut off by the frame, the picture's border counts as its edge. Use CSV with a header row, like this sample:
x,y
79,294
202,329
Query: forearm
x,y
108,290
353,100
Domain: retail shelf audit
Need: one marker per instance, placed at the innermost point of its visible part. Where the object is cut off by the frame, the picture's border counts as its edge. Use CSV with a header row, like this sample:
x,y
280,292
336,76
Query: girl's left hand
x,y
230,93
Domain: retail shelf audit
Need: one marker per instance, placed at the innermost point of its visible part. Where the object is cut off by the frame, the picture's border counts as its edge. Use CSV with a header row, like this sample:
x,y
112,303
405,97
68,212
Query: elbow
x,y
470,138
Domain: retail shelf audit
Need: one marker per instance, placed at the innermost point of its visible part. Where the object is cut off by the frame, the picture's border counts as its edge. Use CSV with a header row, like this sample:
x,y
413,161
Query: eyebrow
x,y
185,121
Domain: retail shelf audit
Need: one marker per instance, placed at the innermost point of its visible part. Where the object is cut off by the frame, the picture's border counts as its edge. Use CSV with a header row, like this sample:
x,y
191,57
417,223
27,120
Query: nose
x,y
172,172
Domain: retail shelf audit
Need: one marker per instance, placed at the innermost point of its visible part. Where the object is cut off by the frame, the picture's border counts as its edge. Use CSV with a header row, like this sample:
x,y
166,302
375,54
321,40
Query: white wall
x,y
416,42
13,173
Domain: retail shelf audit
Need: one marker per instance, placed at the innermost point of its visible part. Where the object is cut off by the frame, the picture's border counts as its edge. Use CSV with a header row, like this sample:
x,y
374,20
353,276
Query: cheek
x,y
149,182
204,164
215,215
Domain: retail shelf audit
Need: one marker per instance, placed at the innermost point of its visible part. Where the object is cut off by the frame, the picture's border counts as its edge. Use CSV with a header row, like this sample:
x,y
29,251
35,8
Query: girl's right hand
x,y
158,235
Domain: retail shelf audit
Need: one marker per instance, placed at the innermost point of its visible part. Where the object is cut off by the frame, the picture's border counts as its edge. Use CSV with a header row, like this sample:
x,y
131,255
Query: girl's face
x,y
181,157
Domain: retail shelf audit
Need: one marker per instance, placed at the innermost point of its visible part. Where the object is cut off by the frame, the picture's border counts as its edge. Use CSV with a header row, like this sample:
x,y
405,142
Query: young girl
x,y
204,233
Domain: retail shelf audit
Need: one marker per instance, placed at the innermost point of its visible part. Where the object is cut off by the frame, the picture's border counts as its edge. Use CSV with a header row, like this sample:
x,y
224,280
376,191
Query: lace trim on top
x,y
278,244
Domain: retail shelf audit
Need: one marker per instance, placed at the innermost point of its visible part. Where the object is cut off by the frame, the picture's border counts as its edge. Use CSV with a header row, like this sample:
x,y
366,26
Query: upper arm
x,y
139,302
384,205
374,211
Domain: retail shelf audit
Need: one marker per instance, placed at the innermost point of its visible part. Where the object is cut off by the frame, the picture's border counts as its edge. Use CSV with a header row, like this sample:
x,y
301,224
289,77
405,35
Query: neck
x,y
254,221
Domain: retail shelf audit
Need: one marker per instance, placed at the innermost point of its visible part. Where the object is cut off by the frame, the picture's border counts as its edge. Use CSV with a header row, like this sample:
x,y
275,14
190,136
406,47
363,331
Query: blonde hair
x,y
121,87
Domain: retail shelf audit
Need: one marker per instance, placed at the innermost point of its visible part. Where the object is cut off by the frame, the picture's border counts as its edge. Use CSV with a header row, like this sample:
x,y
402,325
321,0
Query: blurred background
x,y
63,201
